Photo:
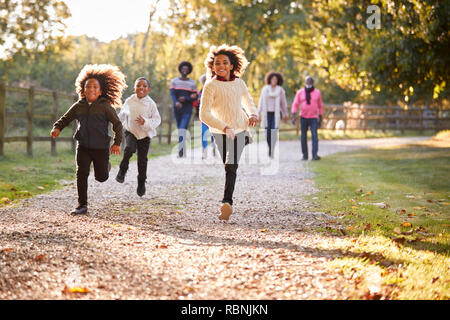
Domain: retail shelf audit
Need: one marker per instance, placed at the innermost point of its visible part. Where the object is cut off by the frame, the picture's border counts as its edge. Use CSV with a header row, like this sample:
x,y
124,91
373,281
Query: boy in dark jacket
x,y
99,88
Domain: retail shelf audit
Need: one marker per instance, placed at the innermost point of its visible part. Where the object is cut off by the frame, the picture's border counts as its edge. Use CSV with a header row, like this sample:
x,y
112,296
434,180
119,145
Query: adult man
x,y
310,101
183,92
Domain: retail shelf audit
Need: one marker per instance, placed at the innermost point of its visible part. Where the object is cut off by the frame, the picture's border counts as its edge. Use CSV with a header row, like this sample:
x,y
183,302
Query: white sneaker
x,y
204,153
226,210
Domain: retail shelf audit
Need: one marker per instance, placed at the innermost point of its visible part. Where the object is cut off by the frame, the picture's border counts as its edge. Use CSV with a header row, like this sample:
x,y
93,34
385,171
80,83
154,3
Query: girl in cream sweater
x,y
223,98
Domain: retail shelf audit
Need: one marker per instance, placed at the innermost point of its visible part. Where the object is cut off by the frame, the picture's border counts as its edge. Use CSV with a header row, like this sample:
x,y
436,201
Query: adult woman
x,y
271,102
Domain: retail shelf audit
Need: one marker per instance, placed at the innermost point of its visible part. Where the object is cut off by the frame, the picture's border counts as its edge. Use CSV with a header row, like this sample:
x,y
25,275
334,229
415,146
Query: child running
x,y
140,118
221,109
99,89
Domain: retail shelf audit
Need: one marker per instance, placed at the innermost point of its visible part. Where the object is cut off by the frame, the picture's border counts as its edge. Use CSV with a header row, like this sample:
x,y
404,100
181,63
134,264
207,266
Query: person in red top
x,y
310,101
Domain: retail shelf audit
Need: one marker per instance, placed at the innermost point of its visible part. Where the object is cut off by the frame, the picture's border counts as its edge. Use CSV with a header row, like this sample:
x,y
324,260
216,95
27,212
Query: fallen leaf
x,y
434,280
350,228
399,240
40,257
382,205
367,227
411,214
408,232
6,250
75,290
40,187
406,224
5,200
263,230
429,200
162,246
397,230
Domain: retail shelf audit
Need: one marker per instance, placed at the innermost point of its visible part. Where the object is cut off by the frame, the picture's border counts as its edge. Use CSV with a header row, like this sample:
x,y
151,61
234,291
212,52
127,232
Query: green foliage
x,y
404,61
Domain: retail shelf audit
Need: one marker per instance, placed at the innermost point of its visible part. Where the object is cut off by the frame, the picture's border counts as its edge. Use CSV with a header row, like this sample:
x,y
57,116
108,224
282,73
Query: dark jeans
x,y
84,157
311,123
131,146
230,151
271,132
182,118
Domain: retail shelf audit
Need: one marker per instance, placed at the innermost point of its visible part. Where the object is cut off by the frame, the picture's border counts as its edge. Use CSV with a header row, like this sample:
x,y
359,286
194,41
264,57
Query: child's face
x,y
222,66
92,90
141,88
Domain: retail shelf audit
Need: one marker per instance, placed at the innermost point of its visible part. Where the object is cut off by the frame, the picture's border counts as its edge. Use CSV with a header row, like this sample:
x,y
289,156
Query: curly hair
x,y
234,53
111,79
185,63
272,74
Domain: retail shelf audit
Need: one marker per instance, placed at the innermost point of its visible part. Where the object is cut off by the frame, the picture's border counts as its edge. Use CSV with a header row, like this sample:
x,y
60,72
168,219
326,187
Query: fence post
x,y
437,120
54,119
421,120
30,121
346,118
160,131
2,116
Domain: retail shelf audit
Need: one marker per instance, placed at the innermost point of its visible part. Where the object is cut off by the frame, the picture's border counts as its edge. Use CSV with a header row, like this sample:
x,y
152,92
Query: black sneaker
x,y
141,188
316,158
80,210
304,158
120,176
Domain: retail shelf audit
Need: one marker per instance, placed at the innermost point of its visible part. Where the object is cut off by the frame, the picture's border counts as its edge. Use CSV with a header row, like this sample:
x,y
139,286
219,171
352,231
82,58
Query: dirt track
x,y
170,244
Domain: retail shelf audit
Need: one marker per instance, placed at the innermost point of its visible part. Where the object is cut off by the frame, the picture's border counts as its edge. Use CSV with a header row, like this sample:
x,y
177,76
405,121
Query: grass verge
x,y
393,205
22,176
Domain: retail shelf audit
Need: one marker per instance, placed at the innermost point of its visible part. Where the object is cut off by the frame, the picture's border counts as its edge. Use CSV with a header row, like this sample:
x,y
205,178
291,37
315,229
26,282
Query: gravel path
x,y
170,244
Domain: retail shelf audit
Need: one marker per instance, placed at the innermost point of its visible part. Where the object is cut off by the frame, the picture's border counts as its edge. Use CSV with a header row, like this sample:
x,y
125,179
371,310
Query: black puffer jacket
x,y
92,131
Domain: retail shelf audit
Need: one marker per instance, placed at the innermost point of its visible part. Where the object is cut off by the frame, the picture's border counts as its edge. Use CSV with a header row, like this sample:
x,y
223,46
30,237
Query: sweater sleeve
x,y
320,104
283,103
152,119
67,118
249,105
262,100
295,103
206,102
112,117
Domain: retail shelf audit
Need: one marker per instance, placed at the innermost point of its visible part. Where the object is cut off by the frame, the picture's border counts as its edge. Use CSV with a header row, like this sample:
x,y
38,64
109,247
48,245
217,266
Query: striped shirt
x,y
183,88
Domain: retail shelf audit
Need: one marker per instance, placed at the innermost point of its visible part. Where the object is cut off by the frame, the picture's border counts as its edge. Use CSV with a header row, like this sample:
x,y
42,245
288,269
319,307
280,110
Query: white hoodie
x,y
135,107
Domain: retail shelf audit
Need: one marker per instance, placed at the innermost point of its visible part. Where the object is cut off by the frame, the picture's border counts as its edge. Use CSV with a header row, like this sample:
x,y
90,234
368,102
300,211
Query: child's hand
x,y
229,132
181,99
115,149
178,105
55,132
140,120
253,120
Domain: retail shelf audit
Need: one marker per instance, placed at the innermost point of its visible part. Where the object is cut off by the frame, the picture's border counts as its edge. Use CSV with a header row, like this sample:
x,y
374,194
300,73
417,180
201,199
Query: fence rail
x,y
344,117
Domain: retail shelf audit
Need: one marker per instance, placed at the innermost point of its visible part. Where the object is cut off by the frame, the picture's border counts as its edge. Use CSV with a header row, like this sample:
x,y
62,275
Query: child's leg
x,y
142,151
84,159
100,157
204,136
130,148
184,123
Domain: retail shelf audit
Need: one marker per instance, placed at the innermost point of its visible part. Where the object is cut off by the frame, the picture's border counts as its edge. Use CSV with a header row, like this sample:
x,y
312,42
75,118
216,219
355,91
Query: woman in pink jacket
x,y
310,101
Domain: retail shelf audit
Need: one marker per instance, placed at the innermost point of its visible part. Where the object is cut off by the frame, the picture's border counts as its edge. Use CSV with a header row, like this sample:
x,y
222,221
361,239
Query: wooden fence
x,y
342,117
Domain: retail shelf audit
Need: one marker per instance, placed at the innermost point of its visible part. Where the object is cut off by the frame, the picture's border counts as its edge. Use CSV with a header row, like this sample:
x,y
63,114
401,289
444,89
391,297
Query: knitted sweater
x,y
222,105
147,109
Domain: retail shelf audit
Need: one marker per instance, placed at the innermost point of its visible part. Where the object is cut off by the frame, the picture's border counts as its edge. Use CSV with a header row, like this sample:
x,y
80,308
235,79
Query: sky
x,y
109,19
